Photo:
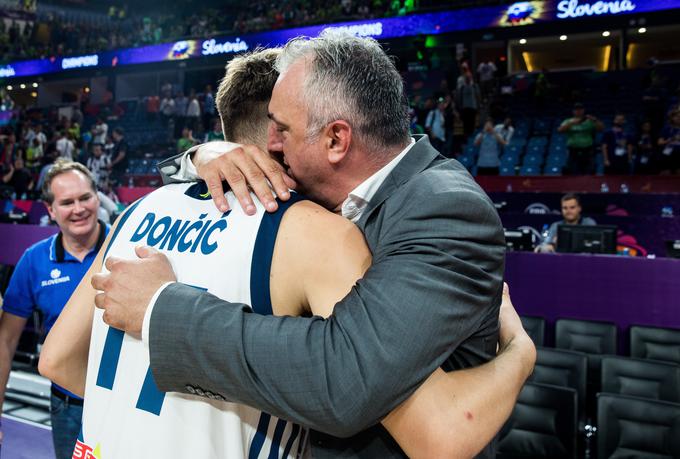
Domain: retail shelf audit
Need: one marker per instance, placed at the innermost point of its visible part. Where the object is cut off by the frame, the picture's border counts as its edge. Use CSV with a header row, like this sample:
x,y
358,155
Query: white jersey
x,y
125,415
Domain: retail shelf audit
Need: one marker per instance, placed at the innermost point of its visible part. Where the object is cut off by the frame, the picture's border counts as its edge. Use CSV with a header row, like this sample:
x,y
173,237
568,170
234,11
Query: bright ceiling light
x,y
523,41
642,30
22,86
9,87
563,37
605,33
35,85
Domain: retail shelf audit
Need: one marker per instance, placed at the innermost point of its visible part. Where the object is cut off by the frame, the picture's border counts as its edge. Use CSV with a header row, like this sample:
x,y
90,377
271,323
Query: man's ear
x,y
338,137
49,210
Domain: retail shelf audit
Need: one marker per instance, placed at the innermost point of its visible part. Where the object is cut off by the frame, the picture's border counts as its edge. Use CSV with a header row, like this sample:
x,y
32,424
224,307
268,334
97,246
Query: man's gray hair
x,y
351,79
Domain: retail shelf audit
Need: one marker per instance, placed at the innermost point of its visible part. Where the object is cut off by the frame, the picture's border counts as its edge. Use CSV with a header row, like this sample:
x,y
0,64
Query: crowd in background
x,y
466,111
476,111
57,34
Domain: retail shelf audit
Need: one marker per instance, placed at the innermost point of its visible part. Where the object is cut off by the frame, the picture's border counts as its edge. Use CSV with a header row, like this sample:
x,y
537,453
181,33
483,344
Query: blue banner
x,y
515,15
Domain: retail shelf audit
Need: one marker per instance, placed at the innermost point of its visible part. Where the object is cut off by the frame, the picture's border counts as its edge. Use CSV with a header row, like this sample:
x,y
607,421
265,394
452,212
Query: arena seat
x,y
563,368
596,339
535,327
641,378
542,425
634,427
655,343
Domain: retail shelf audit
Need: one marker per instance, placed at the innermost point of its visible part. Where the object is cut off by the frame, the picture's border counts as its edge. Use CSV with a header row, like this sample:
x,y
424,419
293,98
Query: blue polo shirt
x,y
45,277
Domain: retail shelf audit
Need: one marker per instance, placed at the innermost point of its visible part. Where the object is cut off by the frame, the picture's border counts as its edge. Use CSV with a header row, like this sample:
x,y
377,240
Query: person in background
x,y
208,108
215,133
580,130
457,131
65,146
469,99
434,125
34,154
99,164
18,177
669,142
193,112
46,276
119,156
100,131
490,142
505,129
186,141
571,215
181,104
487,72
167,110
617,147
645,156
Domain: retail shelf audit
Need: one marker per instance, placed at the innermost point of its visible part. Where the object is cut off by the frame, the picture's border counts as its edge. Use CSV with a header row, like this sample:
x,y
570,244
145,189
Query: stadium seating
x,y
542,425
637,428
655,343
641,378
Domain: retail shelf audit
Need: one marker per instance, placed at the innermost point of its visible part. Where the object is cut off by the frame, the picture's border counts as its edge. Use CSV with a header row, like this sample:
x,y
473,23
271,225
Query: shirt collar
x,y
358,199
59,254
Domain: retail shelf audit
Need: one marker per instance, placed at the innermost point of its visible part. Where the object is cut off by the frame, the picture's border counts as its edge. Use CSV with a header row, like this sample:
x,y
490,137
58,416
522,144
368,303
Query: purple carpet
x,y
23,440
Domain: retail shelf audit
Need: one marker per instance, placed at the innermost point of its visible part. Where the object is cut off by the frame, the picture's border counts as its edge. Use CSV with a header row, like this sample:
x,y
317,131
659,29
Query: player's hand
x,y
128,287
244,168
512,332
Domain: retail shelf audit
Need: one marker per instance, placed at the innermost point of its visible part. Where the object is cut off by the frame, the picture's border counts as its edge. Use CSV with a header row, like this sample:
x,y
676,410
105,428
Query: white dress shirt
x,y
352,208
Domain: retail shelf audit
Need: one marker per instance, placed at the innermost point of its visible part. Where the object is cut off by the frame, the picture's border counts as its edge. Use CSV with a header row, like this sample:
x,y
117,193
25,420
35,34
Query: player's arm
x,y
63,358
317,260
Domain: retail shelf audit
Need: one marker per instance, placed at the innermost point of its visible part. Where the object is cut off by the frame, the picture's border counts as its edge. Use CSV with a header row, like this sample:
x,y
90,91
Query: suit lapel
x,y
416,160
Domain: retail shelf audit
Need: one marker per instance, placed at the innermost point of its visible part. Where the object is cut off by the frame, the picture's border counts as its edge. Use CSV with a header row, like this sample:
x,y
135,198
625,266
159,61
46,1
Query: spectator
x,y
34,153
119,155
669,141
167,110
65,146
40,136
216,133
645,155
19,178
186,141
99,164
469,101
434,125
580,130
9,149
487,72
456,134
571,215
208,108
490,141
506,130
617,147
101,130
193,112
181,104
46,276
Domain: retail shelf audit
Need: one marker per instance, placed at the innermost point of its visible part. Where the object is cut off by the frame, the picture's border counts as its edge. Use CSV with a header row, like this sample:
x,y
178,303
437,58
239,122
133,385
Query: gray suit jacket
x,y
430,299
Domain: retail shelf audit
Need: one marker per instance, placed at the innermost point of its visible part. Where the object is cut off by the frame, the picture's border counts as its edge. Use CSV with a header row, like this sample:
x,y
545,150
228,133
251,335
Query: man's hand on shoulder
x,y
243,167
129,286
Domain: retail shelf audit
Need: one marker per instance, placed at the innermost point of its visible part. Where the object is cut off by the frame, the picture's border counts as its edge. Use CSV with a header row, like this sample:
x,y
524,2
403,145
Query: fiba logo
x,y
55,273
537,208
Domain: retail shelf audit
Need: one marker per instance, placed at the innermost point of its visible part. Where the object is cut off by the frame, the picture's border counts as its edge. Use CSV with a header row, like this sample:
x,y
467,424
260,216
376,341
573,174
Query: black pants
x,y
581,161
